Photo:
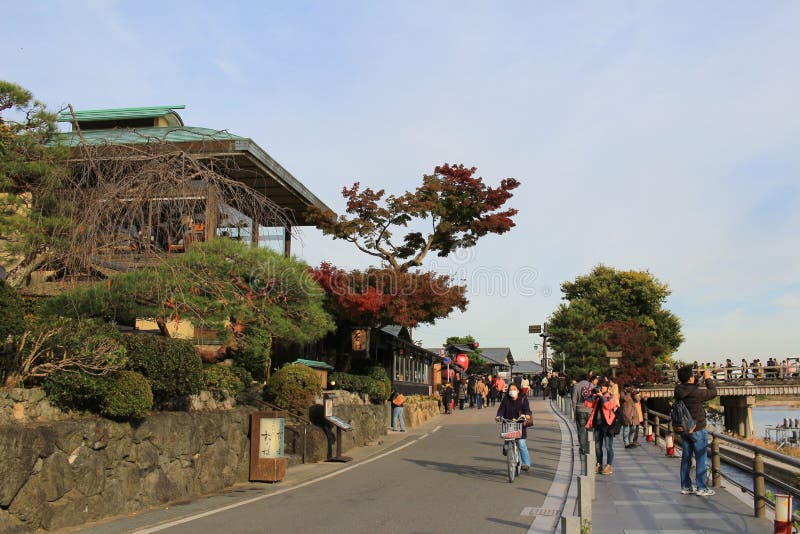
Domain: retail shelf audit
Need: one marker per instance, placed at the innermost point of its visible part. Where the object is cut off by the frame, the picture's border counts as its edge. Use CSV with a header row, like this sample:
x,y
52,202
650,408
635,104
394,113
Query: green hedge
x,y
11,322
293,387
375,383
72,390
219,379
171,366
128,396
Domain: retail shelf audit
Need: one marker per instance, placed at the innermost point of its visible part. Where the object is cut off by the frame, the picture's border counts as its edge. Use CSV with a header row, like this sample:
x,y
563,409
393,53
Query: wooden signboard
x,y
267,462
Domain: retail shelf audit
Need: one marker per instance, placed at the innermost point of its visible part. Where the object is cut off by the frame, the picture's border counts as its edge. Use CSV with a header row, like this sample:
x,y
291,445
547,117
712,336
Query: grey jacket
x,y
576,396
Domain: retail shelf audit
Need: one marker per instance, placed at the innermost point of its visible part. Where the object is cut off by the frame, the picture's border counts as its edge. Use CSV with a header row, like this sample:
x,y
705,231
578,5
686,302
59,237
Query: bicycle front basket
x,y
511,431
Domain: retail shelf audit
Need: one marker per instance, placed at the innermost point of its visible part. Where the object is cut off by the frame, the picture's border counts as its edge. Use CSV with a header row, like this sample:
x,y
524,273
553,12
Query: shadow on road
x,y
469,471
509,523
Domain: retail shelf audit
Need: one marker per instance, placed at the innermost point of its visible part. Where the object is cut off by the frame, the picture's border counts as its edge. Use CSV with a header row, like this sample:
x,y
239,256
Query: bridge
x,y
737,398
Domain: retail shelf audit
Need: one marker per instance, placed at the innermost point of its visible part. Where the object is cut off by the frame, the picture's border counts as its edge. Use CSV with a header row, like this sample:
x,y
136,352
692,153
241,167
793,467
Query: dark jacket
x,y
694,397
511,409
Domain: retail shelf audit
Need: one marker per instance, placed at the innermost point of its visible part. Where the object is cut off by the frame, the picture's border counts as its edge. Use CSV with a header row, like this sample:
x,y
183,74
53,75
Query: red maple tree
x,y
459,207
639,351
380,297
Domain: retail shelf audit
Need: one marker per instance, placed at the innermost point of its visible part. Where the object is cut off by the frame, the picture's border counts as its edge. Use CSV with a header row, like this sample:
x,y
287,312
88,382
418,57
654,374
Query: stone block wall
x,y
26,405
67,472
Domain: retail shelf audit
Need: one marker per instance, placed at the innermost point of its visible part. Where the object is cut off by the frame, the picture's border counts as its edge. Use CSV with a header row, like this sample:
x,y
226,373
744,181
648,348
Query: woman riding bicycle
x,y
513,406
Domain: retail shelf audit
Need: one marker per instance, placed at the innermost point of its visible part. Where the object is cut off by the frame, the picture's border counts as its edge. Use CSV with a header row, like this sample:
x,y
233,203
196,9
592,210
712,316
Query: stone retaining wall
x,y
68,472
25,405
64,473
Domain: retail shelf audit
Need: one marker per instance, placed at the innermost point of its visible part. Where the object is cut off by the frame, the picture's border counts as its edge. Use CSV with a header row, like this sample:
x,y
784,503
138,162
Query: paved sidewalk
x,y
643,496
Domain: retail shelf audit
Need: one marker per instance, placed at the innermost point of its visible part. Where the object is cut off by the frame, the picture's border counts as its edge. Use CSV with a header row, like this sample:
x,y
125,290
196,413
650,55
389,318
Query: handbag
x,y
399,399
528,422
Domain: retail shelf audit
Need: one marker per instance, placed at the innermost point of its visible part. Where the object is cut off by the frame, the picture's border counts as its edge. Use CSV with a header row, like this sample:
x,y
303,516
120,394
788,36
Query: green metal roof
x,y
90,115
123,136
315,364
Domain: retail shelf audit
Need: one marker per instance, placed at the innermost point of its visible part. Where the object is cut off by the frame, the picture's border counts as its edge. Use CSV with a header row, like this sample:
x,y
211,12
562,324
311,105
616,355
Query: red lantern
x,y
448,373
463,361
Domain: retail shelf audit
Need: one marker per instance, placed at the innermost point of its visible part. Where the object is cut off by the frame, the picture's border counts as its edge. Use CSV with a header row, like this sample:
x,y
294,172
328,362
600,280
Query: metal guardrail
x,y
760,500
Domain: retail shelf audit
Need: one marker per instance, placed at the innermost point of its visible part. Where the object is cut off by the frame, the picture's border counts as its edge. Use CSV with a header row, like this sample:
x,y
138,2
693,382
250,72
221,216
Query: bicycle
x,y
511,431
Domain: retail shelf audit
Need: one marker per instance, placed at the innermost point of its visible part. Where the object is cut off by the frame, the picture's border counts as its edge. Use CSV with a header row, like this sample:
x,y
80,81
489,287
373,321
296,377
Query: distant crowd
x,y
755,369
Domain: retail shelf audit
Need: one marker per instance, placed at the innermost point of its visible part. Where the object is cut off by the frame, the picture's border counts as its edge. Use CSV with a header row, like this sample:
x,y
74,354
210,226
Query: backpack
x,y
586,396
682,420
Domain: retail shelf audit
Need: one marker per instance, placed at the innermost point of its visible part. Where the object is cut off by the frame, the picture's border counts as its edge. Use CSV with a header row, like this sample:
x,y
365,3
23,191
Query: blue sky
x,y
647,135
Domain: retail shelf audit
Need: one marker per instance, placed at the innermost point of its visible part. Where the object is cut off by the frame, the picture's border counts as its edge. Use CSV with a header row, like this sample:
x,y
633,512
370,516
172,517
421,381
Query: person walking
x,y
630,418
602,420
526,385
513,406
398,400
447,396
583,402
481,390
695,443
462,394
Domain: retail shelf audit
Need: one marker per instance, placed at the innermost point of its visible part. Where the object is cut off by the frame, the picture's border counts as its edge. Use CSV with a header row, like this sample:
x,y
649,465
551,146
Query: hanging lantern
x,y
463,361
448,373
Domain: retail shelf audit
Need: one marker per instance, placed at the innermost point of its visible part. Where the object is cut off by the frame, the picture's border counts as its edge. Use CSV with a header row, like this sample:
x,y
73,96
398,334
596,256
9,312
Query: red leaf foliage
x,y
457,206
379,297
639,352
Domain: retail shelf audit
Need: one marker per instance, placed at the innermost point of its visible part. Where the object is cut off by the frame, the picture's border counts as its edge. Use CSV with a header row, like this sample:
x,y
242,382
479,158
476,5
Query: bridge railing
x,y
662,426
732,374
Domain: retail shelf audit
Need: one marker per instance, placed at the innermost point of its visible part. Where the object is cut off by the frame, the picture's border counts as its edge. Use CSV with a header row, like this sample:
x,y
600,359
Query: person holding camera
x,y
695,444
602,420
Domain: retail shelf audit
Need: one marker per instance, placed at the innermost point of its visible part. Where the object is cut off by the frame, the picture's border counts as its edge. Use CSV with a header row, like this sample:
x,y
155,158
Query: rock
x,y
56,476
88,470
11,525
112,501
20,447
30,504
69,510
68,435
17,394
144,455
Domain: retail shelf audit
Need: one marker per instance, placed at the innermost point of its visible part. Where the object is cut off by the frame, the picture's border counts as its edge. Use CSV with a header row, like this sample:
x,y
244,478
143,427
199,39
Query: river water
x,y
772,415
762,417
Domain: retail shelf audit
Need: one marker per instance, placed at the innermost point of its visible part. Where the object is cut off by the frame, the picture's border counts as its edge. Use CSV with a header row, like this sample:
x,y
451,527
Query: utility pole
x,y
541,329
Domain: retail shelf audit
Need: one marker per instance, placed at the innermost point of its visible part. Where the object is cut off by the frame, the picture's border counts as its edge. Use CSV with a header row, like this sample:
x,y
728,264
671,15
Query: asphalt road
x,y
447,476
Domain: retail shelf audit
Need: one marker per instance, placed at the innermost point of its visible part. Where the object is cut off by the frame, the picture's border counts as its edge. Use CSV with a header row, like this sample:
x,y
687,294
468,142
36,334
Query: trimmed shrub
x,y
219,379
243,375
293,387
11,322
375,383
128,396
73,390
254,354
172,366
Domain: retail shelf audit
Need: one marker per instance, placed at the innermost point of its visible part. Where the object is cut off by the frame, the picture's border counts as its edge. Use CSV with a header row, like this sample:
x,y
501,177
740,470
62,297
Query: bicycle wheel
x,y
519,458
512,462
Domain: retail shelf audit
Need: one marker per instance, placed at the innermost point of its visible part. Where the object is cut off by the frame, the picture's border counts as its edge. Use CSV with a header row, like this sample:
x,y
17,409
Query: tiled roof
x,y
132,136
90,115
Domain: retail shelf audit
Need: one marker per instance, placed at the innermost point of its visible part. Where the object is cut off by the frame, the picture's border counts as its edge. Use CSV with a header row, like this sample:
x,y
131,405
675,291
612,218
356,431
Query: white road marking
x,y
436,429
190,518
